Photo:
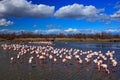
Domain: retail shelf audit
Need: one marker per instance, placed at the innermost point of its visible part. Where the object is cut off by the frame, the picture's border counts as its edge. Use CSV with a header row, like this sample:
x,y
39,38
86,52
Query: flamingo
x,y
11,60
63,60
114,62
105,67
64,54
80,61
55,59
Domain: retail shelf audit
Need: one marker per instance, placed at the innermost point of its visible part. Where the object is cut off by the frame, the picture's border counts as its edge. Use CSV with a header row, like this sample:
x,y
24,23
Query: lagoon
x,y
50,70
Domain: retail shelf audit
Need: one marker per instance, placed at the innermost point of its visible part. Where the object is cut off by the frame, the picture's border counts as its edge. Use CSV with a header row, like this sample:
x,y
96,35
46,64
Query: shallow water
x,y
49,70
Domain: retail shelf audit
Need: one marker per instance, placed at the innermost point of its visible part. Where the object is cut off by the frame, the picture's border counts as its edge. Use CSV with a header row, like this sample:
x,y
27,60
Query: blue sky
x,y
60,16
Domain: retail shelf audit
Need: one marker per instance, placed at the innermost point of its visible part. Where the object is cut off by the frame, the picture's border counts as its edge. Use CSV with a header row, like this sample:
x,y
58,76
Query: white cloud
x,y
57,31
5,31
38,31
49,31
12,31
113,30
23,8
89,31
78,11
4,22
66,31
116,15
101,17
71,30
84,31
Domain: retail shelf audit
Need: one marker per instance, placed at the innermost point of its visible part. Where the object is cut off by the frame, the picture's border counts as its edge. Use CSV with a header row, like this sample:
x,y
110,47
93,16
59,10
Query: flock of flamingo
x,y
45,50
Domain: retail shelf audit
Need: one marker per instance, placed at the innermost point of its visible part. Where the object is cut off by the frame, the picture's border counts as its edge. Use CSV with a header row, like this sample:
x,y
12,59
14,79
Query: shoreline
x,y
62,39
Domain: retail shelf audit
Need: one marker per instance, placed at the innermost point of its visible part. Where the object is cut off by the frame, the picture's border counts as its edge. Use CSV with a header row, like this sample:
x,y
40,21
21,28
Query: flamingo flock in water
x,y
45,50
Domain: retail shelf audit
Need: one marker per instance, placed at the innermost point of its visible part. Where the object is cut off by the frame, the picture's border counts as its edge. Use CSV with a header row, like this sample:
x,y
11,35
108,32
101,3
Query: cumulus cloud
x,y
38,31
6,31
53,31
78,11
23,8
4,22
116,15
49,31
71,30
66,31
84,31
113,30
101,17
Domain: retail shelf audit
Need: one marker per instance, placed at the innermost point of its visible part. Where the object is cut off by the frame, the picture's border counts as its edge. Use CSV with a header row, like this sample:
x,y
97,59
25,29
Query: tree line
x,y
102,35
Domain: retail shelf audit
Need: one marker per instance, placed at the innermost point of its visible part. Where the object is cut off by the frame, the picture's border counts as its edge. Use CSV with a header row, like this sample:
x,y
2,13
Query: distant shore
x,y
64,39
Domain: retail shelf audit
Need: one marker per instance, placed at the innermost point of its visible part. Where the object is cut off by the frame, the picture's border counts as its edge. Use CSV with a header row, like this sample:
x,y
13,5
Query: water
x,y
58,71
